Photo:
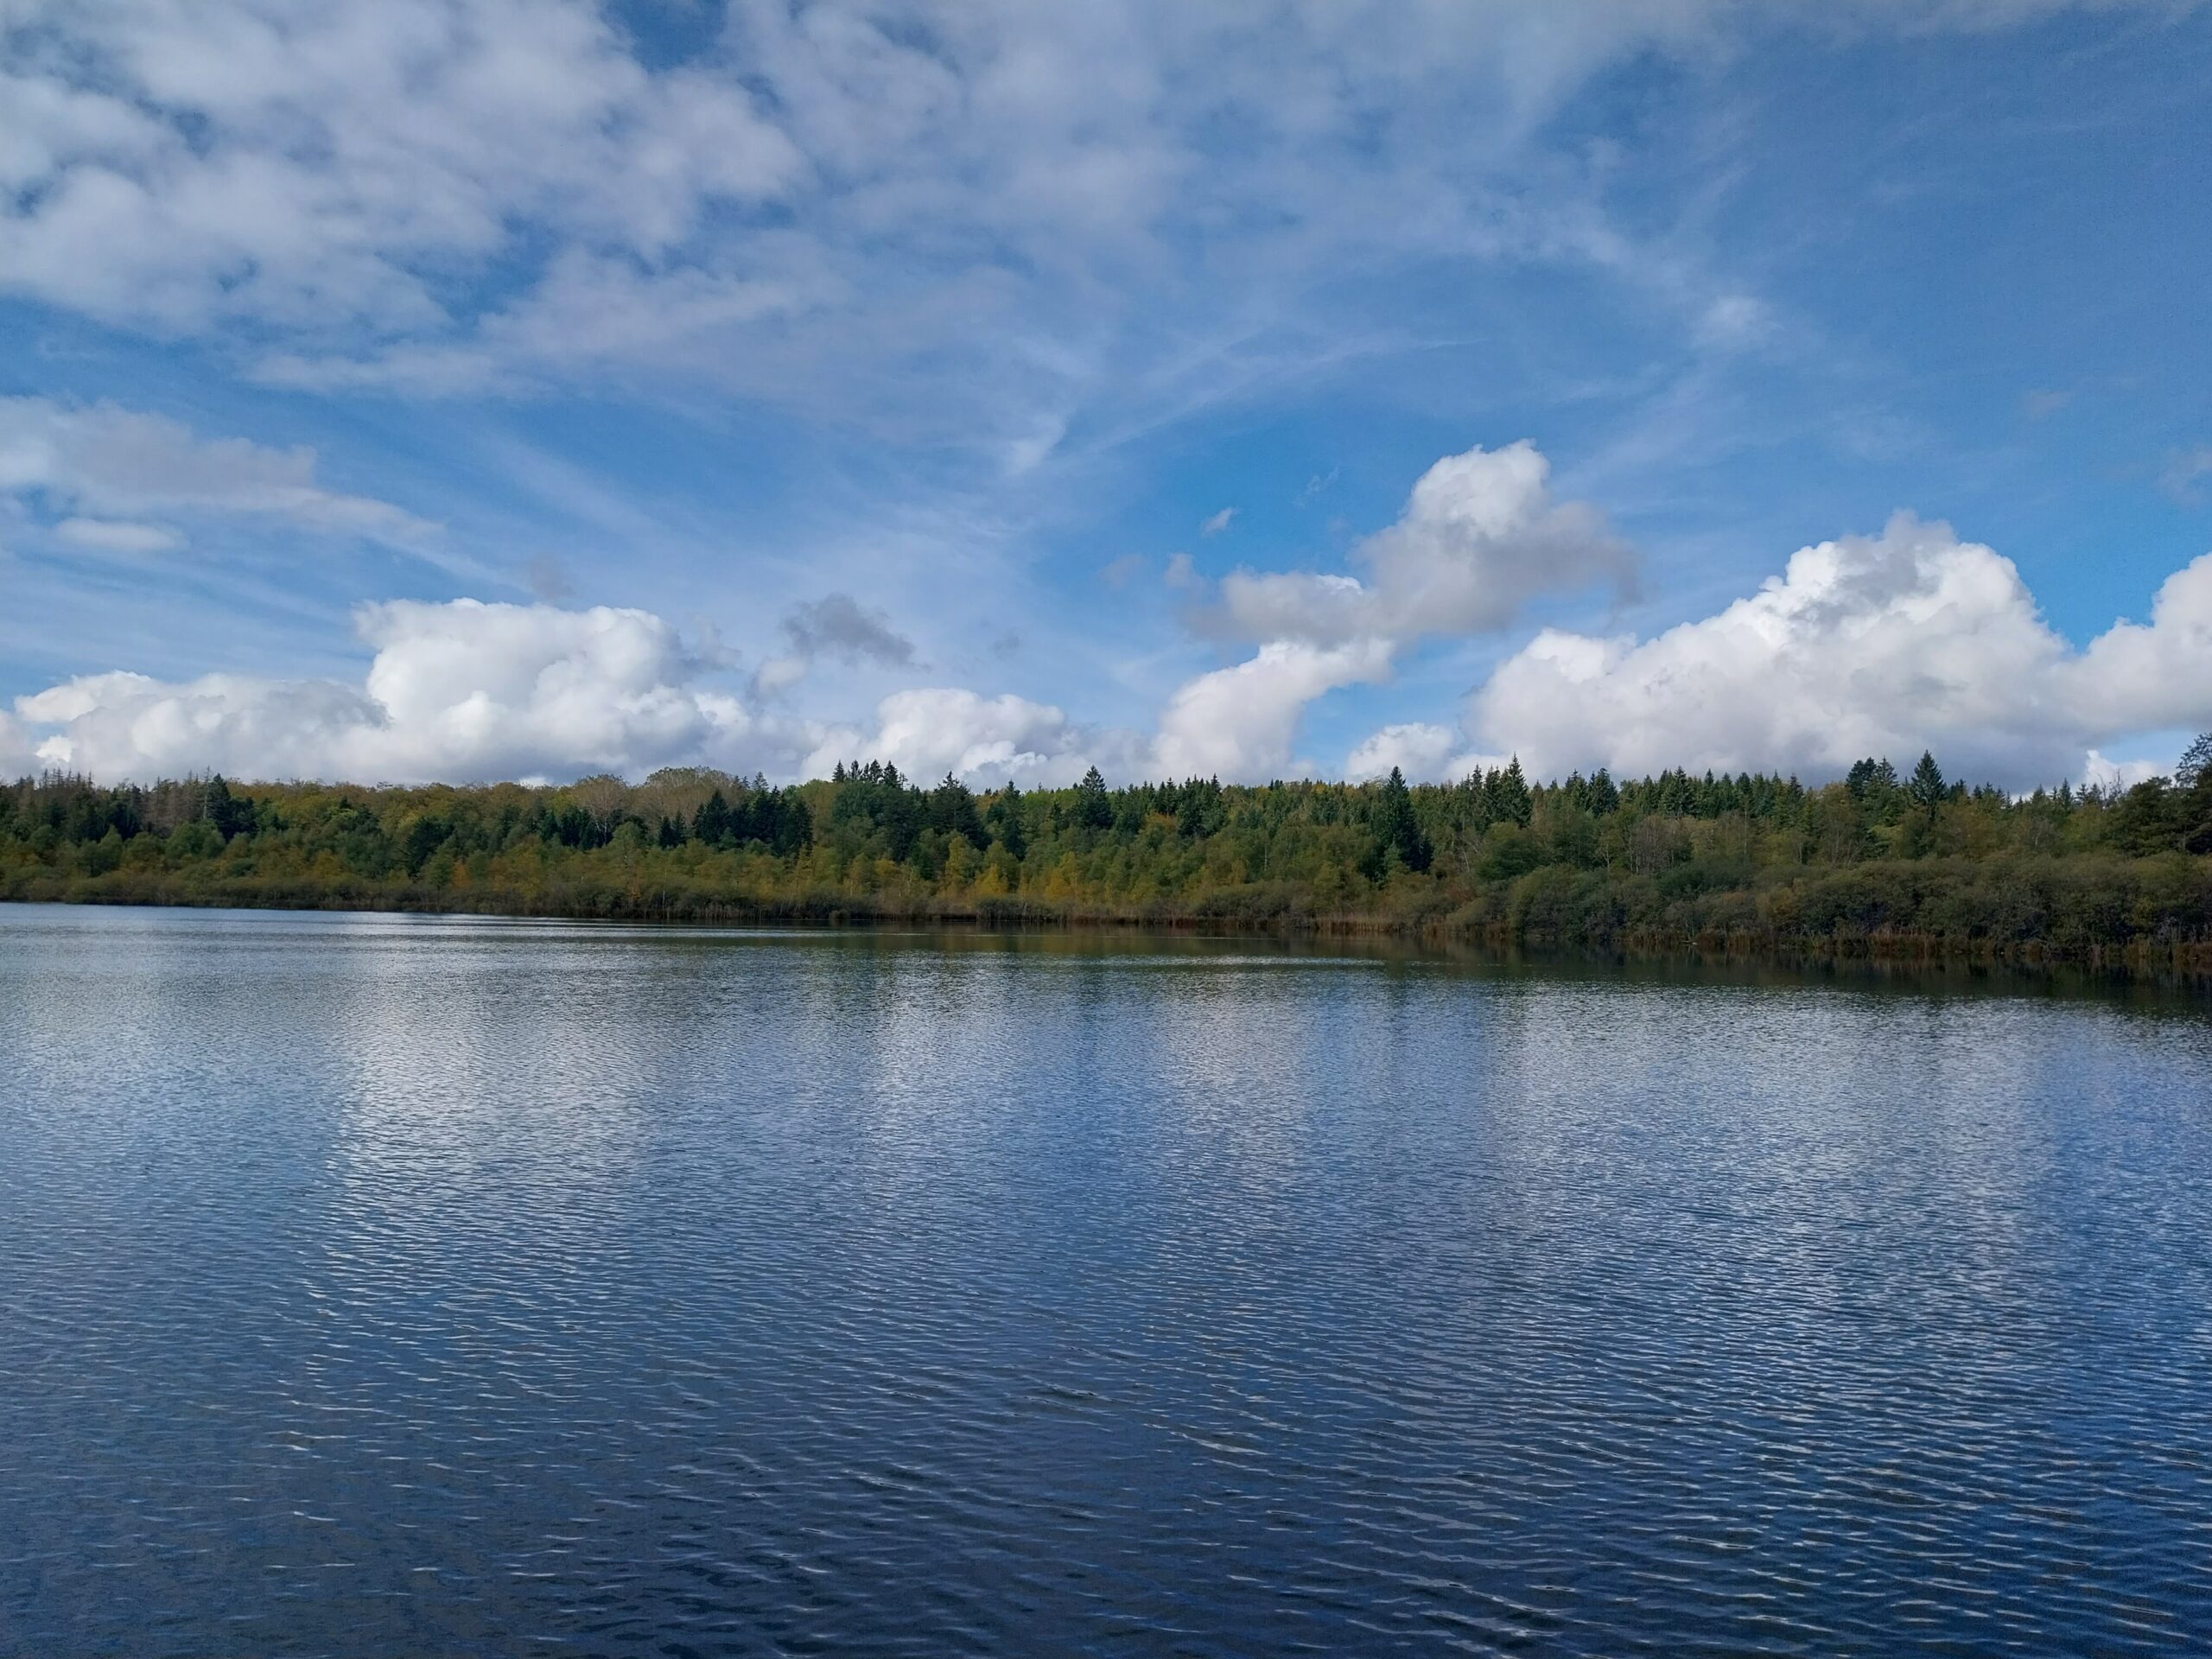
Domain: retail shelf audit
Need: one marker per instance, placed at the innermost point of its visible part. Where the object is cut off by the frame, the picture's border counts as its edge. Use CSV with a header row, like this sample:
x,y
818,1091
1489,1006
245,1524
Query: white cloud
x,y
588,313
1216,523
458,691
17,758
1241,723
118,536
1424,753
120,726
2109,774
105,461
471,691
296,163
447,195
1480,536
779,674
2145,676
1865,645
984,740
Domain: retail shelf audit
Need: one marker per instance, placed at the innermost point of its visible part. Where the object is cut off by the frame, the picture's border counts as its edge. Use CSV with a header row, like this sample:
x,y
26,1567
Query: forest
x,y
1880,862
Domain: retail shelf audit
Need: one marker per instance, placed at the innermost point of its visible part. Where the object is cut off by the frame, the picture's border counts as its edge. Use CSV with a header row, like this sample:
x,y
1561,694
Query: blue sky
x,y
1002,389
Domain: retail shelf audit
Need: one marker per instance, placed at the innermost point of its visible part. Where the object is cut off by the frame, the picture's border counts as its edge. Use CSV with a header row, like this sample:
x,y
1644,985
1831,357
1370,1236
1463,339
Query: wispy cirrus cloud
x,y
2183,475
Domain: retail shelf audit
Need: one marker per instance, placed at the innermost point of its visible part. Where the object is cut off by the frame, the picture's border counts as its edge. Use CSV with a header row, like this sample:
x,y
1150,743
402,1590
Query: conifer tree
x,y
1927,786
713,824
1511,803
1004,820
1094,808
1395,825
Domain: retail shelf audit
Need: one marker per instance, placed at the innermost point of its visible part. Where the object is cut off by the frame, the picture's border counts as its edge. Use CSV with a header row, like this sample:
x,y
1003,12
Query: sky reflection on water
x,y
389,1285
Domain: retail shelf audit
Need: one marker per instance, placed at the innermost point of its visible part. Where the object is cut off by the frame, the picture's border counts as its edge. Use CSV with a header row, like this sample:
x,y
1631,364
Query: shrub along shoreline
x,y
1875,865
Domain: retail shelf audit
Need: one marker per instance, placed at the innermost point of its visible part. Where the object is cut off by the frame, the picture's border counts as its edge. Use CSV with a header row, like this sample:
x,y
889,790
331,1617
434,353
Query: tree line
x,y
1881,857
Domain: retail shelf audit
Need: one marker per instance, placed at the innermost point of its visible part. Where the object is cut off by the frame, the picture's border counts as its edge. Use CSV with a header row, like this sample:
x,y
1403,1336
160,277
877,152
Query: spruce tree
x,y
1005,821
1927,787
1395,828
713,822
1093,808
1512,803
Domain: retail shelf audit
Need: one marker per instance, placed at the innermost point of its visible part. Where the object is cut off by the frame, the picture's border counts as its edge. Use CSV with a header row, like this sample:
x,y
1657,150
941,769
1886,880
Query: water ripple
x,y
385,1286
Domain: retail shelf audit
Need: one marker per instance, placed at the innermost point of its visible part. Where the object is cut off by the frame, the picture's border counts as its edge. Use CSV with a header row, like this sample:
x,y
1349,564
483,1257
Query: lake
x,y
389,1286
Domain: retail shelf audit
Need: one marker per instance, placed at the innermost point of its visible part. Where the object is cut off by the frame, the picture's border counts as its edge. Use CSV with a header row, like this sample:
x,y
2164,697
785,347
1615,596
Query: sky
x,y
458,389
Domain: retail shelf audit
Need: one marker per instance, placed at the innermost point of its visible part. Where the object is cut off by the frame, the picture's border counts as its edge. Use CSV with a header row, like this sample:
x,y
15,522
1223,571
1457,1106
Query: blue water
x,y
381,1286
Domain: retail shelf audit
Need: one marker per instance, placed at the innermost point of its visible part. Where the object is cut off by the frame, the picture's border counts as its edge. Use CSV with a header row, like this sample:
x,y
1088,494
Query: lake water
x,y
381,1286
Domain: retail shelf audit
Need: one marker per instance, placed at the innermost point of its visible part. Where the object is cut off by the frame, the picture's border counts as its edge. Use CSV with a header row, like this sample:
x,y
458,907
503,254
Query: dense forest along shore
x,y
1880,863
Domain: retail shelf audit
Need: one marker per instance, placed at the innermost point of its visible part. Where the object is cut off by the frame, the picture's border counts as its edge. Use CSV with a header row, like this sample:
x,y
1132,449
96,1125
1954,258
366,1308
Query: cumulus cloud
x,y
1216,523
1425,754
2109,774
1865,645
2138,677
295,163
112,466
464,690
1242,722
17,757
467,690
985,740
1480,536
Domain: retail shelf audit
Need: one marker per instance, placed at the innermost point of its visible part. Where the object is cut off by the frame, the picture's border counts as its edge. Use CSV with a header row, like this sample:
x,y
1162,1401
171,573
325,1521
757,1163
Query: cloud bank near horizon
x,y
1877,645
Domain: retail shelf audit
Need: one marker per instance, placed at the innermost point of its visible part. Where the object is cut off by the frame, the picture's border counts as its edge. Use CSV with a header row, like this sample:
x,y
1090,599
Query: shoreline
x,y
2121,960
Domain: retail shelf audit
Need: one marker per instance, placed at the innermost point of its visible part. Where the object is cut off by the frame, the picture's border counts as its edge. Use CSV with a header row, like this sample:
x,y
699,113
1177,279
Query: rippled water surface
x,y
378,1286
